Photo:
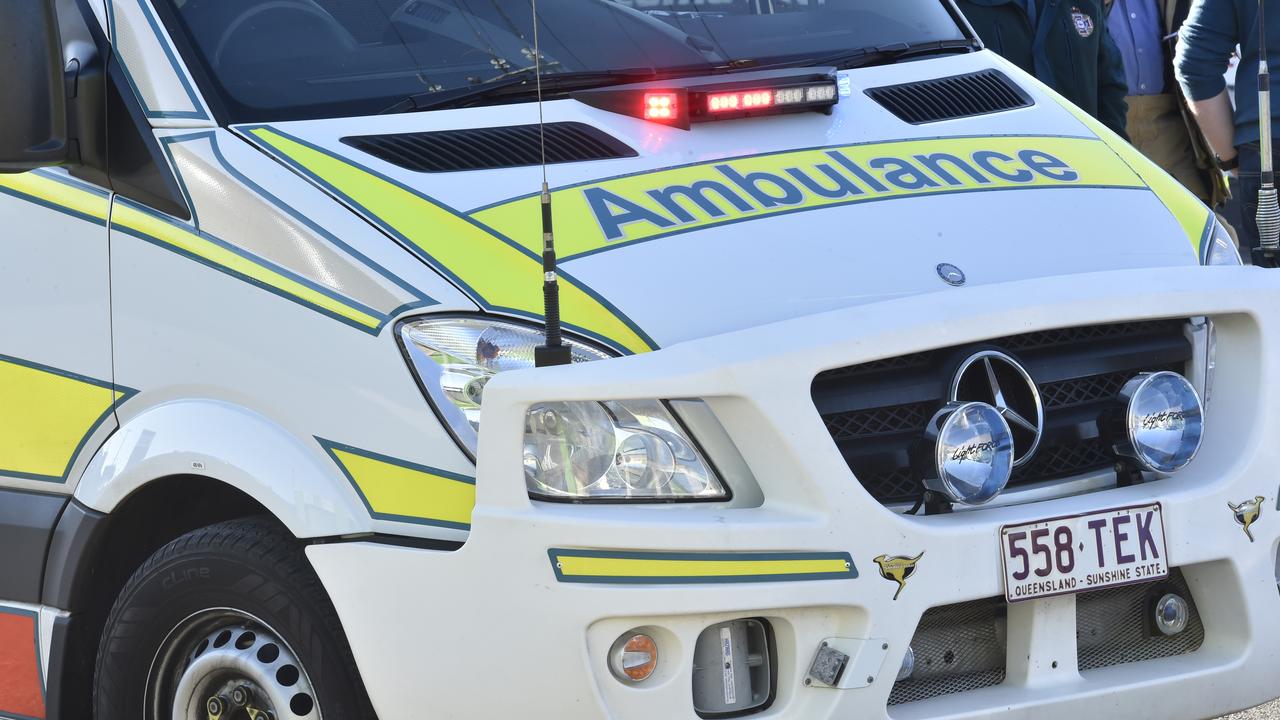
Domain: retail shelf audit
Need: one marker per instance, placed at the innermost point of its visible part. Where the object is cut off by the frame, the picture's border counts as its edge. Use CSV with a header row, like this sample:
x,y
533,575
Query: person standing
x,y
1206,43
1159,122
1062,42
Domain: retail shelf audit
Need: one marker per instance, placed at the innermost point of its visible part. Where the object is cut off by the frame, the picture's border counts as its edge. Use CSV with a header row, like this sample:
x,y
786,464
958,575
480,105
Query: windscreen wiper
x,y
886,54
516,83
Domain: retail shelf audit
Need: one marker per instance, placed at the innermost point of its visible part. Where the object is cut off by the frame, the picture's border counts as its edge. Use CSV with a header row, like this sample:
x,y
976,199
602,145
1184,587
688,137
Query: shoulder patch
x,y
1083,22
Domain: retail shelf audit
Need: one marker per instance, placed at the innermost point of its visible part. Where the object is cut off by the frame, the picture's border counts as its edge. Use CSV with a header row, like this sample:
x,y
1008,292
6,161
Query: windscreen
x,y
264,60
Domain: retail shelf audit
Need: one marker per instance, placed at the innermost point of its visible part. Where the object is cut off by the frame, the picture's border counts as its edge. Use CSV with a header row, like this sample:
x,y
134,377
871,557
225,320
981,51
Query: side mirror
x,y
33,95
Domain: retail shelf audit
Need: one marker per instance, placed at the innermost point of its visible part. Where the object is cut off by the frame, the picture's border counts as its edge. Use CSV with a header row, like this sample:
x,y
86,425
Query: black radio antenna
x,y
553,351
1268,217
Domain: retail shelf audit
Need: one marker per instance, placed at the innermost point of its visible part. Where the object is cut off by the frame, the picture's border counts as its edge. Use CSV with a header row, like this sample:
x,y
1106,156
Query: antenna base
x,y
548,356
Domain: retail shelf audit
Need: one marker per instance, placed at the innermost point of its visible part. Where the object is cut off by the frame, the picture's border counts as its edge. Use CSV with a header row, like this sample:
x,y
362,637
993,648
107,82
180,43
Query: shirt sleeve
x,y
1112,86
1205,45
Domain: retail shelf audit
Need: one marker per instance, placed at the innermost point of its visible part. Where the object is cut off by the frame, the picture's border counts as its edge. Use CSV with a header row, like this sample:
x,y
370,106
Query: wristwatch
x,y
1229,165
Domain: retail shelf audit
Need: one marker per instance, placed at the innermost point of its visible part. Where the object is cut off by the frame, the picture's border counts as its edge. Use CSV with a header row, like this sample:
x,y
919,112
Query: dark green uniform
x,y
1069,49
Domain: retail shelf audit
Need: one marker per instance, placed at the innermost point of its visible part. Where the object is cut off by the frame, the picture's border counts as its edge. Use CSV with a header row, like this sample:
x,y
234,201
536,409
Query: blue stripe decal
x,y
421,298
263,262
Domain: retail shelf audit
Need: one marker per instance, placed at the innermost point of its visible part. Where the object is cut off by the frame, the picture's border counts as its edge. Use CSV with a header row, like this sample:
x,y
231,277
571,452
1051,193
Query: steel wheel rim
x,y
234,657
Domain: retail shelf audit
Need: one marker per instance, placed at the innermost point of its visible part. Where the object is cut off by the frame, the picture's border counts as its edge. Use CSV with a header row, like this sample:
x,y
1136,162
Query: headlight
x,y
1219,248
455,357
626,450
1164,422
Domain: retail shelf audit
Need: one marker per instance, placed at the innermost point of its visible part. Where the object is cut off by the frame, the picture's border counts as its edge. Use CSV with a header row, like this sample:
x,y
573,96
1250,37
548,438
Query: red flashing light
x,y
661,106
730,102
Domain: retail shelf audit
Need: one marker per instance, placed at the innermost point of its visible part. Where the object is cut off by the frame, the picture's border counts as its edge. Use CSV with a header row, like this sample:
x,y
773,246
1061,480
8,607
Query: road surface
x,y
1270,711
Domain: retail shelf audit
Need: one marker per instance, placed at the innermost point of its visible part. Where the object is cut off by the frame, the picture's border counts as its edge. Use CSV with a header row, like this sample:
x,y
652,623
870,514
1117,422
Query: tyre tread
x,y
267,546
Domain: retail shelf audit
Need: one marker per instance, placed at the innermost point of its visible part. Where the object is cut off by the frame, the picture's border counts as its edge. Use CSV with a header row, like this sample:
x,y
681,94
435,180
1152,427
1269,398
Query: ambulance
x,y
882,381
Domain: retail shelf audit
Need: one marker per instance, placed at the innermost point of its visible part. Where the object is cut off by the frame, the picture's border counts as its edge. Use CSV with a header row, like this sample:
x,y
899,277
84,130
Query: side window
x,y
136,165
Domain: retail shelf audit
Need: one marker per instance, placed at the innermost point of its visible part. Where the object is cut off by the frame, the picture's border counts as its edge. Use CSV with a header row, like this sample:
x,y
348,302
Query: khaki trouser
x,y
1156,127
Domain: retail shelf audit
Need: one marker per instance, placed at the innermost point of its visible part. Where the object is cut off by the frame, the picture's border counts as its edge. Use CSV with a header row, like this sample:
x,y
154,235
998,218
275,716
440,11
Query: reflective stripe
x,y
496,272
1192,214
614,212
185,240
46,416
22,676
603,566
59,193
89,203
406,492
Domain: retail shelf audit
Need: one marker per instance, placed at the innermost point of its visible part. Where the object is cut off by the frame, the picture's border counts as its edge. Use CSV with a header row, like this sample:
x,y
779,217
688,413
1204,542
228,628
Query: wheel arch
x,y
287,474
168,470
92,555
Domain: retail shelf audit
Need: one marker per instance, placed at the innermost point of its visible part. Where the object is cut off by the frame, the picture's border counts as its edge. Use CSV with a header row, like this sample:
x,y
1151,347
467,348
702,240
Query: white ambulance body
x,y
901,387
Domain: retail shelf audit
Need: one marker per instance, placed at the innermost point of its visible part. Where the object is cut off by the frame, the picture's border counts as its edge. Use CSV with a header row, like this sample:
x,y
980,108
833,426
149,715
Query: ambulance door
x,y
56,393
55,331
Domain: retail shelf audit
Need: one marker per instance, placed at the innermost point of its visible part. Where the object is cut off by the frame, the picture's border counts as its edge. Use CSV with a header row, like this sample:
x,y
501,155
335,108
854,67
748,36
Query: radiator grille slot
x,y
949,98
875,411
491,148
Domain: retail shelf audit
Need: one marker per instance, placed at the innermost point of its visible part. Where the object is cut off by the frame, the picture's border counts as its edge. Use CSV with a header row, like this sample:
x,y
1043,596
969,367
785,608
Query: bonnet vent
x,y
959,96
491,148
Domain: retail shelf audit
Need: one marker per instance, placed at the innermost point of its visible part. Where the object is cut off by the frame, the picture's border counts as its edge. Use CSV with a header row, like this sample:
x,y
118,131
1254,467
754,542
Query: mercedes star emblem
x,y
951,274
995,378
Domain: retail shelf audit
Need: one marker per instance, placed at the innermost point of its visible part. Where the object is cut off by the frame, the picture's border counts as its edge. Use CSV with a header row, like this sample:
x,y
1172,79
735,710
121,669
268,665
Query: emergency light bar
x,y
680,102
662,106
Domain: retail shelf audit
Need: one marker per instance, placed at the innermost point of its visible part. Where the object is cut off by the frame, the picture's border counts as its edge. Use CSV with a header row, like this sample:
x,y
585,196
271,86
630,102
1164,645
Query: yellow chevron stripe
x,y
45,416
67,197
625,567
498,274
395,490
1186,208
191,243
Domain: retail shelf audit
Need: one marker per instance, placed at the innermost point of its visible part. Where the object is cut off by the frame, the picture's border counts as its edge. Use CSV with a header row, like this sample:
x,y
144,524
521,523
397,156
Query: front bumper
x,y
492,629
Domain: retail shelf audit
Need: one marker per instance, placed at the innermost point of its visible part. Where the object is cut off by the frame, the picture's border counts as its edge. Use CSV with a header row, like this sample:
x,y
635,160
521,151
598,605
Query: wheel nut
x,y
216,707
241,696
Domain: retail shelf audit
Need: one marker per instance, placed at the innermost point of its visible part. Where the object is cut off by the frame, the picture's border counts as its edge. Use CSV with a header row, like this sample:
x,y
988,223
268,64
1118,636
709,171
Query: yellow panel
x,y
495,272
647,205
398,491
44,418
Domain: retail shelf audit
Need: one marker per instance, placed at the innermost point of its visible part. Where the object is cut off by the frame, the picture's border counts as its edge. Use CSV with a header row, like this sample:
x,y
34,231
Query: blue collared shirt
x,y
1135,26
1205,44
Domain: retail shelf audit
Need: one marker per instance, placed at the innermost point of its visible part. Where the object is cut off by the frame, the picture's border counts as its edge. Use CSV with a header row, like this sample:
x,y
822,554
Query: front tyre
x,y
228,622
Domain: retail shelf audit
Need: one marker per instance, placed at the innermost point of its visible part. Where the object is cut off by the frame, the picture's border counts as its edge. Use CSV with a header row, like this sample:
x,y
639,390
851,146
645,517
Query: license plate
x,y
1072,554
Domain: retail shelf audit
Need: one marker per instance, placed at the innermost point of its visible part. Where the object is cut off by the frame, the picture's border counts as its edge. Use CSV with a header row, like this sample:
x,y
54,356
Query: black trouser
x,y
1250,181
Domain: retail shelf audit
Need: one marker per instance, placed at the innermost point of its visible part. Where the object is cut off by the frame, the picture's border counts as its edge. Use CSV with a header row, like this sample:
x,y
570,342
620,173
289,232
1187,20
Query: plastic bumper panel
x,y
491,630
